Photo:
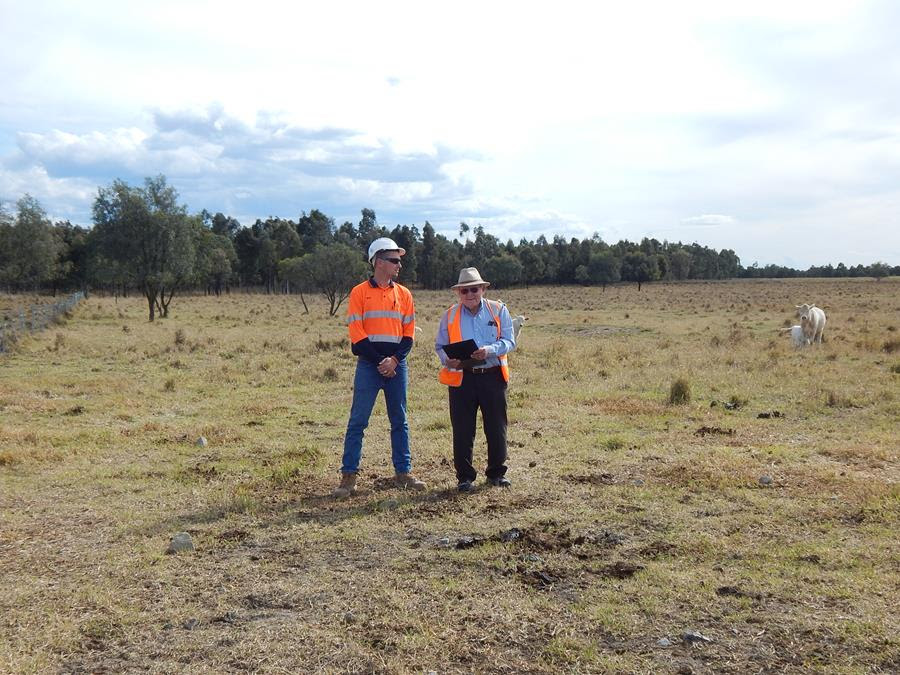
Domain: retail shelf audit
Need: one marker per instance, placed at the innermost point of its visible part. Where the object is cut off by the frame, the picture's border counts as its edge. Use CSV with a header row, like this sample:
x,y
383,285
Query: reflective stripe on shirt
x,y
385,338
382,314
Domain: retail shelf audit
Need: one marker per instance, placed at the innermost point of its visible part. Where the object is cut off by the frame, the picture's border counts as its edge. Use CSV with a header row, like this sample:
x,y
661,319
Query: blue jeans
x,y
366,385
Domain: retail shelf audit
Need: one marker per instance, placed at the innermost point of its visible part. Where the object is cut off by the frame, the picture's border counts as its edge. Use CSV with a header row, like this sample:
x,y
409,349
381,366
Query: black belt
x,y
482,371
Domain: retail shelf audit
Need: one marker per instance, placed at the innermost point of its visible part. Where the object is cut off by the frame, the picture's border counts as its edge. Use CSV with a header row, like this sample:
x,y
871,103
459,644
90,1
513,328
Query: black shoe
x,y
499,482
464,486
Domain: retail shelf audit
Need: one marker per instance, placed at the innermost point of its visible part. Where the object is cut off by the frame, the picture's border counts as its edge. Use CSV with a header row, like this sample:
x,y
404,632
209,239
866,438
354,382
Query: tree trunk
x,y
151,301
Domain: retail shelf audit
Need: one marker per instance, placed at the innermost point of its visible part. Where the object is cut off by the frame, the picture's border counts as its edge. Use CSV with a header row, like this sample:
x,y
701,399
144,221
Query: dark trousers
x,y
488,392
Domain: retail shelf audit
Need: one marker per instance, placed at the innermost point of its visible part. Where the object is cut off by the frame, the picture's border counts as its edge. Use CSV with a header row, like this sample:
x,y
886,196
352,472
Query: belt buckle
x,y
480,371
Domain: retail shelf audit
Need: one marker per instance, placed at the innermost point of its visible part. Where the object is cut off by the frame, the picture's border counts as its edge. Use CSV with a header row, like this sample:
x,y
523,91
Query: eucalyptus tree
x,y
32,248
532,263
639,267
680,264
503,270
146,231
215,260
6,257
335,269
315,228
298,275
604,268
407,236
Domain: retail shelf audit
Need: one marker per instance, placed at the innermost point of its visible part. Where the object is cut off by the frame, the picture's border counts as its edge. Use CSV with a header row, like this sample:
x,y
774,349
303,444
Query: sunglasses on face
x,y
470,289
396,261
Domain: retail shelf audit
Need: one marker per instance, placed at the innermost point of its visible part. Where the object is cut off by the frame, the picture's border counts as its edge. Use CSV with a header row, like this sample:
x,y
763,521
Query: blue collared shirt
x,y
480,327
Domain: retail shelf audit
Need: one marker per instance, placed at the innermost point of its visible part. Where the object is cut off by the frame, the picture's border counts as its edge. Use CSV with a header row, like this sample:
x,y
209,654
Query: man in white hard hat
x,y
381,319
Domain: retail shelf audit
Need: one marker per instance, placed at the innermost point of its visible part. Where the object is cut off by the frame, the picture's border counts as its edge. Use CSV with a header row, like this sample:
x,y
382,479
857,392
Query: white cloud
x,y
708,220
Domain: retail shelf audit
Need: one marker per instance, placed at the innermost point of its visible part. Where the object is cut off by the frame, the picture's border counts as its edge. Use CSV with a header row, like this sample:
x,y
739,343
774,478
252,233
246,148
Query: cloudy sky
x,y
771,128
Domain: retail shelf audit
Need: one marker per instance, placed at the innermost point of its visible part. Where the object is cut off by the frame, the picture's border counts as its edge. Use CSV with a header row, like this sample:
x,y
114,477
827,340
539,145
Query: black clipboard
x,y
460,350
463,351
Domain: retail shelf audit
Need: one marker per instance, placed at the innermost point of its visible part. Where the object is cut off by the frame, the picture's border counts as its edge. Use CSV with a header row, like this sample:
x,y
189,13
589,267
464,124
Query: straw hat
x,y
469,276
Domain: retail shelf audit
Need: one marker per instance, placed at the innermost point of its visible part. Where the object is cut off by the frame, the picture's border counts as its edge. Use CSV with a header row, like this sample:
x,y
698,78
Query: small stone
x,y
180,542
201,442
532,464
532,557
443,542
664,642
765,480
695,636
510,535
349,618
638,482
190,624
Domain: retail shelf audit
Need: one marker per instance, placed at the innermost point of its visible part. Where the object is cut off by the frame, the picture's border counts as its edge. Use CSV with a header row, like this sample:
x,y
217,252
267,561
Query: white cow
x,y
812,320
517,322
798,338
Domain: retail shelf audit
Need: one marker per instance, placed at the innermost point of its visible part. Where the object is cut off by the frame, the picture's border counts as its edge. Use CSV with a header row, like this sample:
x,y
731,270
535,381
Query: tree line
x,y
143,240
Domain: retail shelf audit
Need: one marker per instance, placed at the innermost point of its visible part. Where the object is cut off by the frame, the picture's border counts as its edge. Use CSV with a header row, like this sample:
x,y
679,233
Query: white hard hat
x,y
384,244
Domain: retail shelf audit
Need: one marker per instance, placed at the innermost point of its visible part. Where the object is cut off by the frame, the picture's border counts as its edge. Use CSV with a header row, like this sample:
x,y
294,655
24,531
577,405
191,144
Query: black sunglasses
x,y
396,261
469,289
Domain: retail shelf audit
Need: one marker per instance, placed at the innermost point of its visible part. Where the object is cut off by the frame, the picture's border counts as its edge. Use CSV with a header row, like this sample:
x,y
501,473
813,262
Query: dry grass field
x,y
753,528
13,303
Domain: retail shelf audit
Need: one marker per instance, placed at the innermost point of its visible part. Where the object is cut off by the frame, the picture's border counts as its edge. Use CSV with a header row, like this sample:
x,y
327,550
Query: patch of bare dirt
x,y
719,431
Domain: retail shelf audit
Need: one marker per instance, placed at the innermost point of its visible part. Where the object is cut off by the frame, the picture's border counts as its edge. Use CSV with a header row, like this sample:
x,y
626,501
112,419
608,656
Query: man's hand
x,y
480,354
388,366
455,364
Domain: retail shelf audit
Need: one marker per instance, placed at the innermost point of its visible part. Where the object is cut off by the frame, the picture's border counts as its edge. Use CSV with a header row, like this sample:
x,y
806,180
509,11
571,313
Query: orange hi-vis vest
x,y
453,377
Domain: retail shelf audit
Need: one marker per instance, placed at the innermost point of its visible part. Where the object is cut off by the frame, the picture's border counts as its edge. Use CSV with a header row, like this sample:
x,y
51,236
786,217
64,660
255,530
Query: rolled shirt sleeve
x,y
507,341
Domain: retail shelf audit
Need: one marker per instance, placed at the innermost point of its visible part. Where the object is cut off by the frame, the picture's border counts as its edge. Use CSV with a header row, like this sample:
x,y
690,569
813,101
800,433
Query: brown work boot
x,y
408,481
347,486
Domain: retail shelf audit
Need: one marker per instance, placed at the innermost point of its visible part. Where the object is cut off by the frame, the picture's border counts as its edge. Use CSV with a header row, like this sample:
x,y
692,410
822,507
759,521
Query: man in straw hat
x,y
479,381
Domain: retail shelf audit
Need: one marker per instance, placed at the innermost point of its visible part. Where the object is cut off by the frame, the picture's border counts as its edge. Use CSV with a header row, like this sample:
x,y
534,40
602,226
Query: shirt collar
x,y
374,283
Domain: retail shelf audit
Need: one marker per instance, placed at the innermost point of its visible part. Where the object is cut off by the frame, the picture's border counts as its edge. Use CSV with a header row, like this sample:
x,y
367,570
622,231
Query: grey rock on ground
x,y
695,636
765,480
201,442
180,542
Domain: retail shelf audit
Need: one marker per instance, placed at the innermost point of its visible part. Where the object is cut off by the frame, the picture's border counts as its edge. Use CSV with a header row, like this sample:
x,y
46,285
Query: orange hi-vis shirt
x,y
382,316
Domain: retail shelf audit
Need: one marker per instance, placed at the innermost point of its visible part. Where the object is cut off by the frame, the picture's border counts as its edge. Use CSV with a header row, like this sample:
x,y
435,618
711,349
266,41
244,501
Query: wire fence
x,y
18,322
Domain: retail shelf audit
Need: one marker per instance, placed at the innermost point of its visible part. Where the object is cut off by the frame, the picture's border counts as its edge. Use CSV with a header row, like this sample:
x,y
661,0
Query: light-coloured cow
x,y
812,321
518,322
798,337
